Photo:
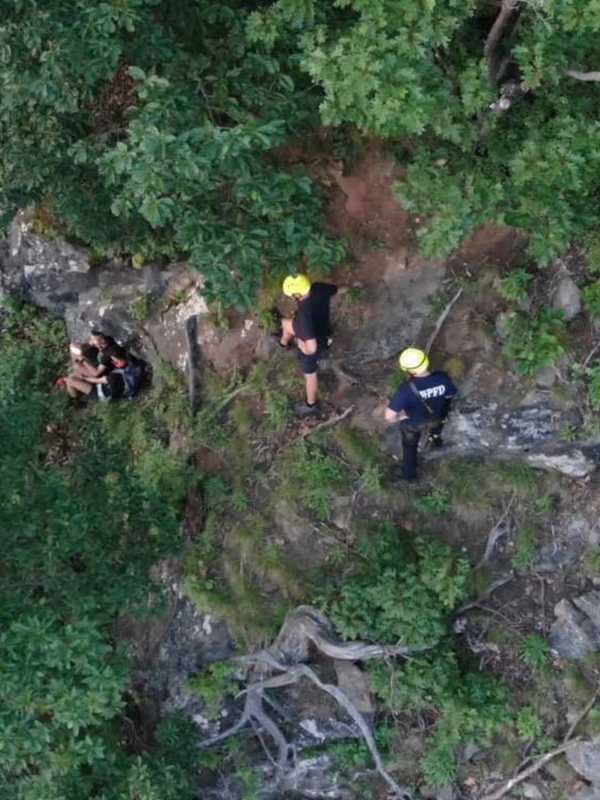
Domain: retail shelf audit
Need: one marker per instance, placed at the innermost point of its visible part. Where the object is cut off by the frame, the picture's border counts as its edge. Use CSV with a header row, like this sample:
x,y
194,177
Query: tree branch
x,y
328,423
442,318
496,33
588,77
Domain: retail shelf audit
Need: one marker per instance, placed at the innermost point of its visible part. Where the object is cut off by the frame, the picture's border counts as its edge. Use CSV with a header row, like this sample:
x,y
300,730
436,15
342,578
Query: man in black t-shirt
x,y
310,328
91,360
420,404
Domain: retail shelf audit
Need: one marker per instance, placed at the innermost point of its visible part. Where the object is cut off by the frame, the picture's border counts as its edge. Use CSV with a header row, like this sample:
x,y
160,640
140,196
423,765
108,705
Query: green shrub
x,y
360,448
594,254
277,411
594,387
591,300
529,725
436,502
216,682
81,532
311,478
525,548
534,651
535,342
471,707
515,286
403,592
371,480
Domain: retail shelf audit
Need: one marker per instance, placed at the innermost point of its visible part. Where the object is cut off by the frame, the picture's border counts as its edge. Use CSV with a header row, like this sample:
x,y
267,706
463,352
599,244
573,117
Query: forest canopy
x,y
154,128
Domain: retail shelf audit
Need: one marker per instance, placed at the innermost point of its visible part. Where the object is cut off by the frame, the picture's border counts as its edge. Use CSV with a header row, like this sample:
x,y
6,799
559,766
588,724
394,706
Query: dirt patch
x,y
491,244
365,212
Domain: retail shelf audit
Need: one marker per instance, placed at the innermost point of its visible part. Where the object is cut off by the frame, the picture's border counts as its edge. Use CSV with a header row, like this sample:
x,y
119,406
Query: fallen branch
x,y
586,710
495,534
591,354
441,320
490,590
588,77
328,423
543,760
526,773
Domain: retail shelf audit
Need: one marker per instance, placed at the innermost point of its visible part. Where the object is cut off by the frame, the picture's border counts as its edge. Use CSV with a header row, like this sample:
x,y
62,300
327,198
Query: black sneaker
x,y
435,440
304,410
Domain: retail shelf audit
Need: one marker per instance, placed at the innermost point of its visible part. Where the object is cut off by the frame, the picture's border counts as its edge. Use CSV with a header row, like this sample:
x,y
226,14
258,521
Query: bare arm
x,y
391,416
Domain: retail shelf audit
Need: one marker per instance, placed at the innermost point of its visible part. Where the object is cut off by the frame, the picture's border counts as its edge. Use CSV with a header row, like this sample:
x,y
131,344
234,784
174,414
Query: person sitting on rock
x,y
91,359
310,327
129,368
420,404
109,386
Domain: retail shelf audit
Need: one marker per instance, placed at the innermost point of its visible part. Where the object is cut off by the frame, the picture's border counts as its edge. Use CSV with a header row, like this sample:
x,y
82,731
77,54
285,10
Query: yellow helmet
x,y
414,360
296,284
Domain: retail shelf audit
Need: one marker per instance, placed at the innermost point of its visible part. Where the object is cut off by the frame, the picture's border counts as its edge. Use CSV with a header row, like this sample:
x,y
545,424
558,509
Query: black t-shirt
x,y
435,389
312,317
104,361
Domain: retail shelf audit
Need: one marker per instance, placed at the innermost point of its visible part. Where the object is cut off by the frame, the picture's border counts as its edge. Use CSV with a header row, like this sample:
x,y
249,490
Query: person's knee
x,y
309,365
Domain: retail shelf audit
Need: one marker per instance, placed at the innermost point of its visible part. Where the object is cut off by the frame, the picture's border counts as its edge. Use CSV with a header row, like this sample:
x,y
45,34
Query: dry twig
x,y
328,423
588,77
493,536
441,319
543,760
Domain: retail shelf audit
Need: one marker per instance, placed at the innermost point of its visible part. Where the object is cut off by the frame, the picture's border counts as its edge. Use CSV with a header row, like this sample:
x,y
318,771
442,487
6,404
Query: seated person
x,y
92,359
110,386
130,368
112,389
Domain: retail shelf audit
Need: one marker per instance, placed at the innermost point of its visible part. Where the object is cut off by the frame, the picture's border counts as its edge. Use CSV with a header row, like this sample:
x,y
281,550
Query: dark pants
x,y
410,446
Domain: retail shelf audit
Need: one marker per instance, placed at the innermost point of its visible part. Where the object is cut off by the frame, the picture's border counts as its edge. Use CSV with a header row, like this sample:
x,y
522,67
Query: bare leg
x,y
312,386
287,331
76,386
83,369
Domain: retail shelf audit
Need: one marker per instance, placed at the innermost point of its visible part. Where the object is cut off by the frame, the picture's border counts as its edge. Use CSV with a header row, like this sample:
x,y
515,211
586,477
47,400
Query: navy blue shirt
x,y
436,389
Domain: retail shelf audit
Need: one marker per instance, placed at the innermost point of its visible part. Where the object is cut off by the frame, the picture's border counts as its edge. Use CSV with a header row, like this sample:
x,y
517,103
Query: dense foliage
x,y
427,74
149,127
404,593
155,127
82,521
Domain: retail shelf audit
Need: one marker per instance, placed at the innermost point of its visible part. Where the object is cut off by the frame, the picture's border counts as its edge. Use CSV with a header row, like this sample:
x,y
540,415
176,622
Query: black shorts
x,y
309,363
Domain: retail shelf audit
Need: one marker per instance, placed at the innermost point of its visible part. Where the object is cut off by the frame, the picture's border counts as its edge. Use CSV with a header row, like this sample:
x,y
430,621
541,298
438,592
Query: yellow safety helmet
x,y
414,360
296,284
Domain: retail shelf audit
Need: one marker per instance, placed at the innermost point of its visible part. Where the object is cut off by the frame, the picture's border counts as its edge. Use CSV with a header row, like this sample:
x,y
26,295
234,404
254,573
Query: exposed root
x,y
303,627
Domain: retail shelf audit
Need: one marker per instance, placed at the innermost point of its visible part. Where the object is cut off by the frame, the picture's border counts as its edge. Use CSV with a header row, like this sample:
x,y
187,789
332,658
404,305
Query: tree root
x,y
304,627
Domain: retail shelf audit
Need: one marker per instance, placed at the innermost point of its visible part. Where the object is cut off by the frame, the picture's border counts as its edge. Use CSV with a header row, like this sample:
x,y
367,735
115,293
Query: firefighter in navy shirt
x,y
420,404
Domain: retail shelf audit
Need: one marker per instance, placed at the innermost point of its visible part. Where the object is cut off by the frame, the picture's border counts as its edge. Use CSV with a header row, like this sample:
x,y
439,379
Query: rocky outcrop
x,y
584,757
576,631
146,308
531,434
398,306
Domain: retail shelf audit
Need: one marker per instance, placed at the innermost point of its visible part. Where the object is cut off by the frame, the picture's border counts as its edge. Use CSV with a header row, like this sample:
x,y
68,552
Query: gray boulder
x,y
584,757
567,297
576,631
530,434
